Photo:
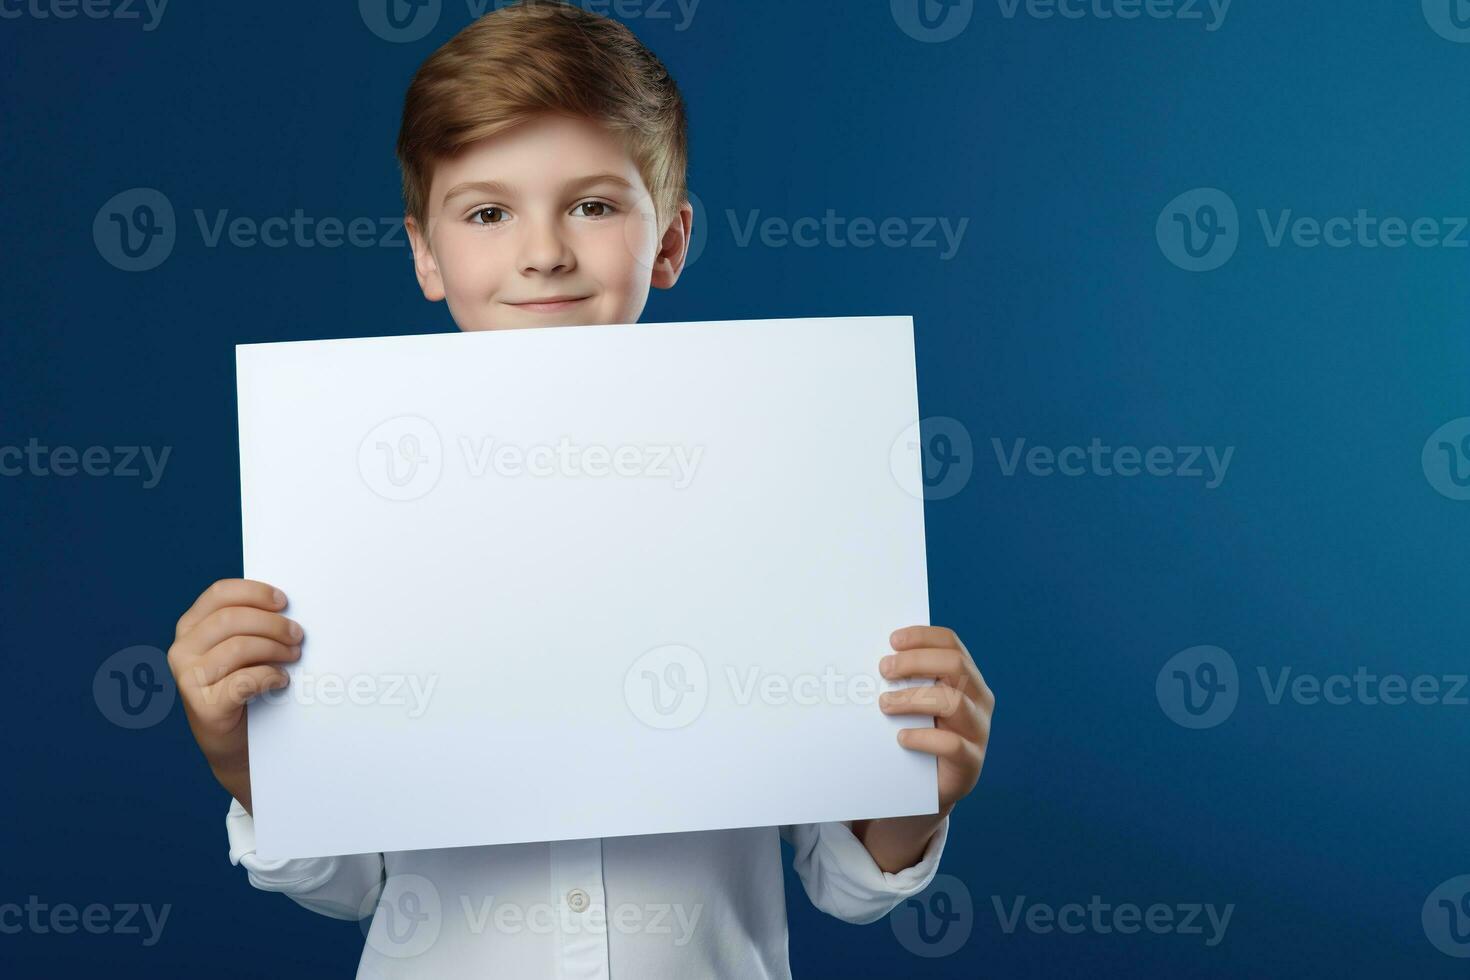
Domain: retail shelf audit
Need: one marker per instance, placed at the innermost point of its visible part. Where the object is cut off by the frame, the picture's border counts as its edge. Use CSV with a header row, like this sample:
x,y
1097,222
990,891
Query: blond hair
x,y
543,56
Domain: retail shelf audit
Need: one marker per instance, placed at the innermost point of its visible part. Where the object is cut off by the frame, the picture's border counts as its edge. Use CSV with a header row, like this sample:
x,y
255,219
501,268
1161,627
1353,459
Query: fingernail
x,y
886,699
279,596
295,651
903,736
895,638
295,630
885,665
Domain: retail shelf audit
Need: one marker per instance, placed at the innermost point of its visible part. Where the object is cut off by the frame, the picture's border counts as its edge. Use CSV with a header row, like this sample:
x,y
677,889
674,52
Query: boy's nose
x,y
545,250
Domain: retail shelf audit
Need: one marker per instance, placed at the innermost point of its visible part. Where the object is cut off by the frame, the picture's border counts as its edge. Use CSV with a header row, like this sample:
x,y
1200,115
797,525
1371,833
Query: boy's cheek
x,y
471,277
638,241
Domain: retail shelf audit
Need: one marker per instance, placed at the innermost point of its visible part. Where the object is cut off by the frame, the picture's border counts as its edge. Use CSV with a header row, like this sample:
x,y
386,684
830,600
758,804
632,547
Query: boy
x,y
543,152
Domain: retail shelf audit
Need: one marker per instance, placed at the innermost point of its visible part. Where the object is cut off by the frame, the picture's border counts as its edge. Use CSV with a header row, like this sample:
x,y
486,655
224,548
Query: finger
x,y
230,592
945,745
953,667
238,688
912,637
940,638
236,653
230,621
951,708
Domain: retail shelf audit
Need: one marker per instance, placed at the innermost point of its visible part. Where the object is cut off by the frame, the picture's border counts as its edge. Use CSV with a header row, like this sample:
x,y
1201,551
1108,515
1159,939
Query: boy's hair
x,y
536,57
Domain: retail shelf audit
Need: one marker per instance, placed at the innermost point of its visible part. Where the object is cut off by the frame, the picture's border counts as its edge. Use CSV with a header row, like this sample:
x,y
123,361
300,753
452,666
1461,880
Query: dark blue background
x,y
1059,320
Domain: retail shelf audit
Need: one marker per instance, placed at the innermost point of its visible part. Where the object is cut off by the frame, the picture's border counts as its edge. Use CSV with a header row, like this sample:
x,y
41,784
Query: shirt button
x,y
578,900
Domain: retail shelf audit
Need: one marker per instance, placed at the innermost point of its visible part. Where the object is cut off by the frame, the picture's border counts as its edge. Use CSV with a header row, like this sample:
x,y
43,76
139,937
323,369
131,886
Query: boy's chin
x,y
509,318
522,323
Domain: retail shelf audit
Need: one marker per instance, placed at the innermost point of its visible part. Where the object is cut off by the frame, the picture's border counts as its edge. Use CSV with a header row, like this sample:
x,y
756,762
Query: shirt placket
x,y
581,909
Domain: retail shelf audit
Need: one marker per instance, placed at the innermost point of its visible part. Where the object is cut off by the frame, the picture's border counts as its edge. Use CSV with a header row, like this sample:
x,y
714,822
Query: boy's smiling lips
x,y
548,304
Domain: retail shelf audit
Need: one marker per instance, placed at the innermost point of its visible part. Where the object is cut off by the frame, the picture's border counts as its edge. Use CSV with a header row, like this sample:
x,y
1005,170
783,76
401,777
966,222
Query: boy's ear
x,y
424,266
673,248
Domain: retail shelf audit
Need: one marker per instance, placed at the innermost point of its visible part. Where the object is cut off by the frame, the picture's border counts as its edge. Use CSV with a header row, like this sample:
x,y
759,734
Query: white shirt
x,y
656,907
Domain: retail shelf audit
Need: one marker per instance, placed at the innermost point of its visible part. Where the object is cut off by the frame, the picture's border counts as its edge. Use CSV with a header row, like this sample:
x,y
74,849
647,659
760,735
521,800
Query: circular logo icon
x,y
698,232
667,687
1198,687
402,458
933,458
1446,459
641,233
406,917
135,230
400,21
1199,230
1450,19
134,688
937,921
932,21
1446,917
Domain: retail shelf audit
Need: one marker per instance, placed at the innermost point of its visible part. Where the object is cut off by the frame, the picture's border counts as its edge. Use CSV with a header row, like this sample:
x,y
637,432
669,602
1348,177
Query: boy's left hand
x,y
959,700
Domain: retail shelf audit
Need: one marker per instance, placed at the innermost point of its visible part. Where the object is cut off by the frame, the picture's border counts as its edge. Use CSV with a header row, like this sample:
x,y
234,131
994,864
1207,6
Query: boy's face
x,y
546,224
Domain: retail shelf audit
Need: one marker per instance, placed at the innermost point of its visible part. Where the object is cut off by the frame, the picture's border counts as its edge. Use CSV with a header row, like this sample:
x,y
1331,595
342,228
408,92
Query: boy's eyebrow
x,y
492,187
581,182
495,188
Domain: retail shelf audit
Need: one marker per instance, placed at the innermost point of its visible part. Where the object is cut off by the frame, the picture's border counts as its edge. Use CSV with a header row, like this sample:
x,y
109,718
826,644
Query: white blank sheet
x,y
583,581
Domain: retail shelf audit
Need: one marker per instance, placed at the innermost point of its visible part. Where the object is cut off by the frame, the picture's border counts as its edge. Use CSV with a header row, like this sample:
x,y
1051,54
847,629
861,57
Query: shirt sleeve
x,y
842,879
343,886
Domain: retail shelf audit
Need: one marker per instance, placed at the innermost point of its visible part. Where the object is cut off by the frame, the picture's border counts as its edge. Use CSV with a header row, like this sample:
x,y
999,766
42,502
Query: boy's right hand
x,y
226,650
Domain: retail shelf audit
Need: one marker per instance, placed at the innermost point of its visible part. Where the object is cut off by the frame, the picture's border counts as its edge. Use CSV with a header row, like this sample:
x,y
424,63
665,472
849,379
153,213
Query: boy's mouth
x,y
548,304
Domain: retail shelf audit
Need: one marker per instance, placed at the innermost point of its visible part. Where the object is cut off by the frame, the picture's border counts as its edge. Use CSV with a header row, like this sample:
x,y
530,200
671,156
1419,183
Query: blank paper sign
x,y
583,581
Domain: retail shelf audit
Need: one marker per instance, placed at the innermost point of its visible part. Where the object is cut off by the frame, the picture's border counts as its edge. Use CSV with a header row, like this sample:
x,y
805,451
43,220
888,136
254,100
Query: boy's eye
x,y
593,209
488,216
